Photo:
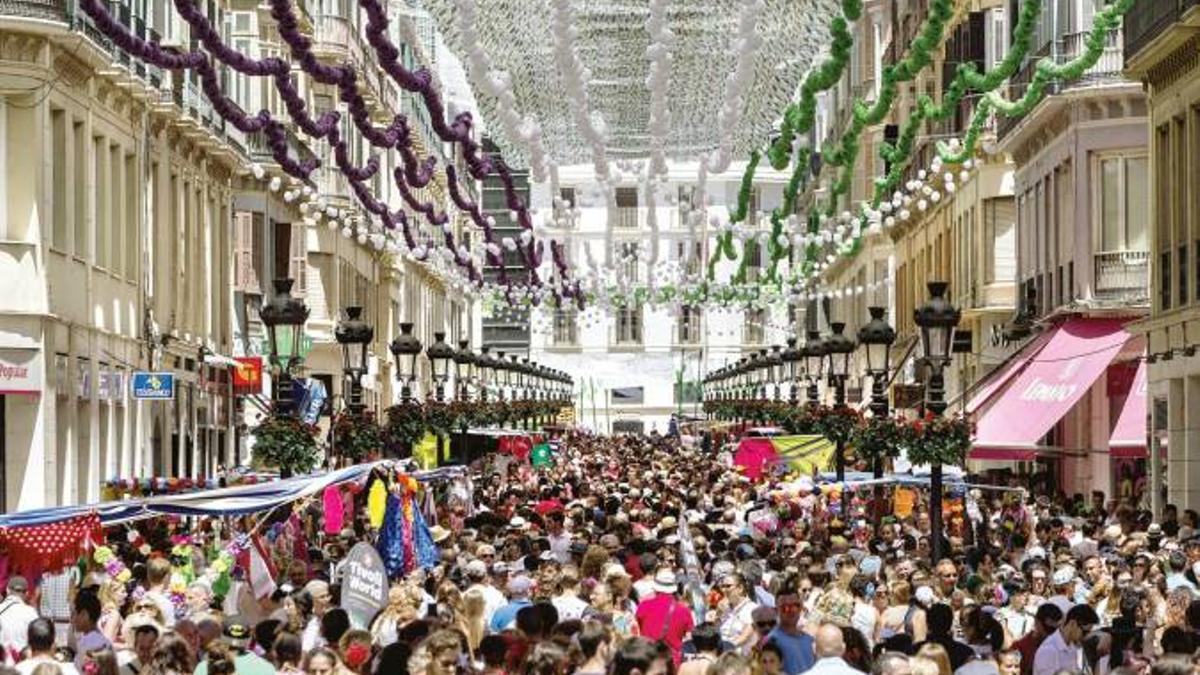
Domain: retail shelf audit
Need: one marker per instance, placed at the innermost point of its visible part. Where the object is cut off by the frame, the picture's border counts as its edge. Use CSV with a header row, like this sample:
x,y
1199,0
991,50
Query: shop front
x,y
1067,413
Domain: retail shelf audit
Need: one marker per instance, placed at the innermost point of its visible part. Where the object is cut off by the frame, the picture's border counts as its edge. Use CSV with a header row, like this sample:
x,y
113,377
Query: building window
x,y
999,234
629,261
565,328
58,123
627,207
753,207
1124,195
756,320
628,395
688,328
629,326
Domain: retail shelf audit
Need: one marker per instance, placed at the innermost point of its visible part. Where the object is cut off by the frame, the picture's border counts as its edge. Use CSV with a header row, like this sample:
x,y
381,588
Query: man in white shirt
x,y
1063,650
41,649
568,602
15,617
493,598
829,648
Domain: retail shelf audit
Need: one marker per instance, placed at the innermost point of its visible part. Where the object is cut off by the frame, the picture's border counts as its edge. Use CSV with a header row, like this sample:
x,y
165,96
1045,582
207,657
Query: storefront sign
x,y
20,371
364,584
248,376
153,386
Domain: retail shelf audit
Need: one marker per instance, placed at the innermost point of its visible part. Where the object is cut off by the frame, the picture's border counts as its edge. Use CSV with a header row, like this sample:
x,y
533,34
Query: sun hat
x,y
665,581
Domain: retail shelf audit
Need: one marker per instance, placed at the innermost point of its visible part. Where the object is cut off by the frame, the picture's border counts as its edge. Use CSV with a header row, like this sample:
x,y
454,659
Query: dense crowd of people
x,y
642,555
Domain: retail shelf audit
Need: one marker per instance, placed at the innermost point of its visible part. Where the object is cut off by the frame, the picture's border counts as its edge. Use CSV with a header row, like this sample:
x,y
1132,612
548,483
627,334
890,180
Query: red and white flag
x,y
260,570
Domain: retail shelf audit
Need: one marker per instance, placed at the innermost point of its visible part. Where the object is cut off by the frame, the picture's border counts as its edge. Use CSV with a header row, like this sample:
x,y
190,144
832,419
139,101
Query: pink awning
x,y
1074,356
1007,371
1128,439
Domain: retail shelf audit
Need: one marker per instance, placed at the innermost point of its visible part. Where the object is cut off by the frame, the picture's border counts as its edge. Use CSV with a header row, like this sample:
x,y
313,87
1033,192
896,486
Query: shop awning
x,y
1007,371
1128,440
1075,355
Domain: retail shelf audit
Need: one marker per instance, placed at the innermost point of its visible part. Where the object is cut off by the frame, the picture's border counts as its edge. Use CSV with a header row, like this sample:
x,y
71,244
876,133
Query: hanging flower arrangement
x,y
837,423
357,437
939,440
880,437
404,424
441,418
287,444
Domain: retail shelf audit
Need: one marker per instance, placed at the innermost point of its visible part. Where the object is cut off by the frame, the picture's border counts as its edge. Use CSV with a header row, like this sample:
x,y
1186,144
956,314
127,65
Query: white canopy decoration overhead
x,y
610,39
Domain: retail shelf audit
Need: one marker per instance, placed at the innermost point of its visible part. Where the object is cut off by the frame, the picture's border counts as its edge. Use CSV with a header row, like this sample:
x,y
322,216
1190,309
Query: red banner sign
x,y
248,376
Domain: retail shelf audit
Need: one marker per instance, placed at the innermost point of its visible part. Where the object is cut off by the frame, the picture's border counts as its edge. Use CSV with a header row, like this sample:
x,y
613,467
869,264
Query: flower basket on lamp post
x,y
287,444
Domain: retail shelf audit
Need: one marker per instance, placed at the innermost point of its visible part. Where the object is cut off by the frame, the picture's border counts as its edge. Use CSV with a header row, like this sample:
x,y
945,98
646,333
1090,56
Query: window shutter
x,y
243,244
298,262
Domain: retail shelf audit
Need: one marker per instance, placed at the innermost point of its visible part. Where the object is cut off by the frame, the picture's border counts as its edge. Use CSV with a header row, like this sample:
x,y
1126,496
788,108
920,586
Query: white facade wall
x,y
599,359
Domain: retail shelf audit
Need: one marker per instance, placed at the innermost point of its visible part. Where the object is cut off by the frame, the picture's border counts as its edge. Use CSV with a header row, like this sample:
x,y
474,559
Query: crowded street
x,y
599,337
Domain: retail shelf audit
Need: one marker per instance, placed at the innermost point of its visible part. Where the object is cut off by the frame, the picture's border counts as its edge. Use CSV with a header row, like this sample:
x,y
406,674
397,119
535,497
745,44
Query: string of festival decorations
x,y
798,119
881,211
326,127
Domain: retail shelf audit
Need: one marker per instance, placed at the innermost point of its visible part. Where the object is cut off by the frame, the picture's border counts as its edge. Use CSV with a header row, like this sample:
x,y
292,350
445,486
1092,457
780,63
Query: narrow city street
x,y
599,337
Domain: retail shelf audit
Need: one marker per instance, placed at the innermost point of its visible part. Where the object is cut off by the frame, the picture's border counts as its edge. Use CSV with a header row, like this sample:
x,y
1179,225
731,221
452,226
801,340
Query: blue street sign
x,y
154,386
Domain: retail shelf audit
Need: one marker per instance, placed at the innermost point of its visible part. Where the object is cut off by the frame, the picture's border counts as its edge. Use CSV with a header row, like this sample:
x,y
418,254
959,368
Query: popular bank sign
x,y
20,371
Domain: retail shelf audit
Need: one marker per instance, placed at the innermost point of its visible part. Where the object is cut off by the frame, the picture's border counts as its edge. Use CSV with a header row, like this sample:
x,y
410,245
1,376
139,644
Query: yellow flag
x,y
426,451
805,453
376,504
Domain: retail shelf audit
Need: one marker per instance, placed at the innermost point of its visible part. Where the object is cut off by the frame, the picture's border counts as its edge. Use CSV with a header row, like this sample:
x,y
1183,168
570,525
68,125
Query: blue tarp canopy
x,y
232,501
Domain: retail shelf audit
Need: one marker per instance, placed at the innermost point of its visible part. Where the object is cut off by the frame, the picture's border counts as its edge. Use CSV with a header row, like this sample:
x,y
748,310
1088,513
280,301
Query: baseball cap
x,y
476,569
237,631
17,584
520,585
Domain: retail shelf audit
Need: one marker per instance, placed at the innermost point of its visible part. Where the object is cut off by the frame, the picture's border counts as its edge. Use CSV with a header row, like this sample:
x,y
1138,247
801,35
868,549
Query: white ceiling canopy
x,y
610,38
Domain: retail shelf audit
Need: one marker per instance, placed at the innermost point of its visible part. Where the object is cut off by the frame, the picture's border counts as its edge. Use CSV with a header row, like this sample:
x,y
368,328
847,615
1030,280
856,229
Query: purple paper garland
x,y
415,172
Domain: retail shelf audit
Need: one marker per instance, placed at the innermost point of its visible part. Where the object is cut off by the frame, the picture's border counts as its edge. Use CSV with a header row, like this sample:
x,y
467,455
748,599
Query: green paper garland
x,y
797,118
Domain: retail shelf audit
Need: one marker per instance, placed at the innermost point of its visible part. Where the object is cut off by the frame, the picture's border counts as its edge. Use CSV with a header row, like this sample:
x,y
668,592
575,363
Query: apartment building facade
x,y
636,366
1161,44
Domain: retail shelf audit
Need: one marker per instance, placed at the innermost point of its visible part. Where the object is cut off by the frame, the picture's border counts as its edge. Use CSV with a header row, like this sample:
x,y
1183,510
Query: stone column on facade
x,y
1190,444
1178,464
90,488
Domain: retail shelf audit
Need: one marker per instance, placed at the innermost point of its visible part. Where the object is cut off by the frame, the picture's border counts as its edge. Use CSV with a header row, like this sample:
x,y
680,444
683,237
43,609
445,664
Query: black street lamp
x,y
440,354
814,358
464,361
405,349
503,376
839,348
484,364
284,317
354,334
774,368
791,362
877,337
937,320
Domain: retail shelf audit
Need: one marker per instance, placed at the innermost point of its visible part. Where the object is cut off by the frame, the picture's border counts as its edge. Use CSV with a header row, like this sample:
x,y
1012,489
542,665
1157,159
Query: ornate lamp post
x,y
877,337
440,354
814,359
937,320
483,372
839,348
464,362
405,349
774,369
503,376
284,317
354,334
792,358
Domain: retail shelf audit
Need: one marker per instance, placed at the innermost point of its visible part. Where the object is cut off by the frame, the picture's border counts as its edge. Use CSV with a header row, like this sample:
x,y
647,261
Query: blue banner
x,y
153,386
310,399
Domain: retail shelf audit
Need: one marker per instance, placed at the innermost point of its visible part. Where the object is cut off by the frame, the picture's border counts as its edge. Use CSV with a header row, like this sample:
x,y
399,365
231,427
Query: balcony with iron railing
x,y
1150,19
627,217
1106,70
1123,276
